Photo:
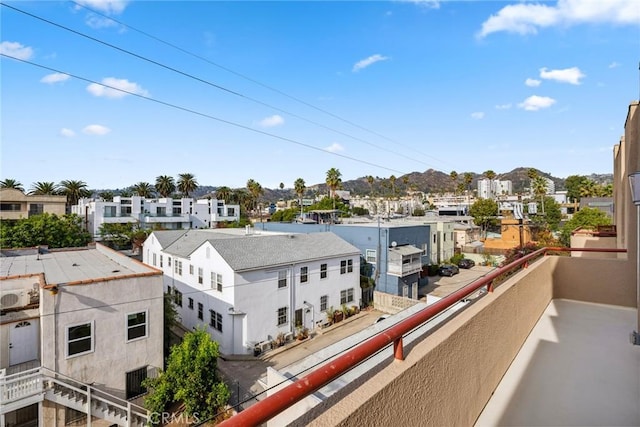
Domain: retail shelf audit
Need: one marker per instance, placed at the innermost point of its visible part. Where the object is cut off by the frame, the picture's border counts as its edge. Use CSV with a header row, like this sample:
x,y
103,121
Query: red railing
x,y
271,406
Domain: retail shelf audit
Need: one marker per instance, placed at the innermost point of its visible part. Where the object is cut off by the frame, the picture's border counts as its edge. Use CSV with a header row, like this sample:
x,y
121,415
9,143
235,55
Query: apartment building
x,y
14,204
162,213
248,287
492,188
80,329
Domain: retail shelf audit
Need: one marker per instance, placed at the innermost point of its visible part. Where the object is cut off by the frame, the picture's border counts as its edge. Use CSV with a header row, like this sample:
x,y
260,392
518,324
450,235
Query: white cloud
x,y
54,78
122,84
477,115
532,82
16,50
503,107
96,130
568,75
364,63
334,148
527,18
614,65
272,121
109,7
535,103
429,4
67,133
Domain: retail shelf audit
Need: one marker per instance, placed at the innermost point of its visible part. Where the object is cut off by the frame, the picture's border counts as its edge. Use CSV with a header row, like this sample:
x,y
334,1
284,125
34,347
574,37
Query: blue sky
x,y
276,91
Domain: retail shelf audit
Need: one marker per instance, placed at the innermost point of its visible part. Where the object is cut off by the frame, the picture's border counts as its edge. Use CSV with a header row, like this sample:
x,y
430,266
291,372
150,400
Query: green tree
x,y
539,189
122,235
143,189
589,218
392,182
55,231
74,190
454,178
223,193
191,378
107,196
285,215
282,186
165,185
490,175
44,188
187,184
256,190
170,320
550,219
370,180
299,187
573,183
11,183
333,181
484,213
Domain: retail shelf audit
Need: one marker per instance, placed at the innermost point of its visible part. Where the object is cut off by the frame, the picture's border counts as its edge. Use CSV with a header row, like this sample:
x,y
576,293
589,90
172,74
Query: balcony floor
x,y
577,367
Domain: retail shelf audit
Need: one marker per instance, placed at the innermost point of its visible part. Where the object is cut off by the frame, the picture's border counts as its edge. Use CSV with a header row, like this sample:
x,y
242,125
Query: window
x,y
200,316
371,255
282,279
343,267
304,274
134,383
191,269
405,291
212,280
191,303
282,316
349,266
154,259
160,261
434,239
323,271
169,290
36,209
79,339
323,302
177,297
219,282
169,261
215,320
179,265
346,296
200,275
13,207
136,325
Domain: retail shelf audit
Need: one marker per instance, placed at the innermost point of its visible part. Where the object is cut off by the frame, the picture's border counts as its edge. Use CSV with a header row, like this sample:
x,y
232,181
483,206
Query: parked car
x,y
466,263
448,270
381,318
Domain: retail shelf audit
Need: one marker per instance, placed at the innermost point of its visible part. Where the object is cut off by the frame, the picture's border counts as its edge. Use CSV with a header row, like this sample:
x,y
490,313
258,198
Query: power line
x,y
198,113
214,85
252,80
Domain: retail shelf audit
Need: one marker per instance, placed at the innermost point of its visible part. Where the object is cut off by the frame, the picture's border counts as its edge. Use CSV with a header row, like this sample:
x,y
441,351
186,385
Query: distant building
x,y
604,204
163,213
490,189
14,204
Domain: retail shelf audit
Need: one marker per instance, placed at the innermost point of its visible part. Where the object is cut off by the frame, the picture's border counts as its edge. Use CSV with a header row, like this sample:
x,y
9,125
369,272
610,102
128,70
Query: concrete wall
x,y
447,378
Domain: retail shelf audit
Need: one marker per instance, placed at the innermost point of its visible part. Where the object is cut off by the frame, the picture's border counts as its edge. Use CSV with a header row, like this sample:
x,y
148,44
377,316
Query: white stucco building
x,y
164,213
248,287
80,329
492,188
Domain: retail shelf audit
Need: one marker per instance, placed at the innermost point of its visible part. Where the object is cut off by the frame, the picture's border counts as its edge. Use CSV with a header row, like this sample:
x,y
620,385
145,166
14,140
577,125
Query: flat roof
x,y
73,265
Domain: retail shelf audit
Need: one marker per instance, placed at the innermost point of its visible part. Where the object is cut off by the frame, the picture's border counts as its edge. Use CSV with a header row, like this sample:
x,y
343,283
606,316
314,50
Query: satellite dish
x,y
394,244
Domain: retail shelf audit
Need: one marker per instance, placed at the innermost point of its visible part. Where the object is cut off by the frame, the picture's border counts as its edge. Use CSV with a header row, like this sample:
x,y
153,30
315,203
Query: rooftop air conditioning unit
x,y
13,299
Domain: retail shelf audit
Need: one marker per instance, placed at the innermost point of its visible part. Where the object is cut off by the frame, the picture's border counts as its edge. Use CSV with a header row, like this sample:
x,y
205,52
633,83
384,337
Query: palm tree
x,y
12,183
405,181
243,198
299,187
223,193
255,189
370,180
491,175
44,188
468,178
107,196
74,190
165,185
392,181
187,183
539,187
143,189
454,178
334,179
282,186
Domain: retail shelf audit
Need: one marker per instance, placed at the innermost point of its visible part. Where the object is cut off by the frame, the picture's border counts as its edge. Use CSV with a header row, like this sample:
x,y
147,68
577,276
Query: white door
x,y
23,342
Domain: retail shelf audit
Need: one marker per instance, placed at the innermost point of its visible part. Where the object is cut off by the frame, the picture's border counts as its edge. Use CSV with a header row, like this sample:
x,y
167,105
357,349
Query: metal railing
x,y
281,400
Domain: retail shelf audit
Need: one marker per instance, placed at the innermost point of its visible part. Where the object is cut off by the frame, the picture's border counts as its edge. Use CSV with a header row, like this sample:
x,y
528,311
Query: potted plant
x,y
330,313
346,311
280,339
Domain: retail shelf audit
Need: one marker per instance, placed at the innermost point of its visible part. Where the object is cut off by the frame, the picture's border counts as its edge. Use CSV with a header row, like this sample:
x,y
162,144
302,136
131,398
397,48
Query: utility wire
x,y
252,80
198,113
214,85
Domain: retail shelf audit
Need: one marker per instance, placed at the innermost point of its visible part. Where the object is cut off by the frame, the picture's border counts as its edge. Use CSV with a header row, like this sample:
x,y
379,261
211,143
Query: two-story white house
x,y
80,330
249,287
164,213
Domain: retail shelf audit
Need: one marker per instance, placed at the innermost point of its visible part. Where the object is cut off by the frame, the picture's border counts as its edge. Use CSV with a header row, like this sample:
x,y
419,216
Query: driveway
x,y
442,286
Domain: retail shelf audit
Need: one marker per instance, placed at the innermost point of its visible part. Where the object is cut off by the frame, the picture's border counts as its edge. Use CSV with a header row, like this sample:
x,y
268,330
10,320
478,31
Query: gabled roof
x,y
256,251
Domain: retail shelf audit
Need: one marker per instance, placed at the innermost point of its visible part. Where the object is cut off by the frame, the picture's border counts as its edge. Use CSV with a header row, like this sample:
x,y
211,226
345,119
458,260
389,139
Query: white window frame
x,y
215,320
304,274
343,266
326,303
282,278
286,316
324,273
91,337
346,296
371,256
200,275
219,282
127,327
350,266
